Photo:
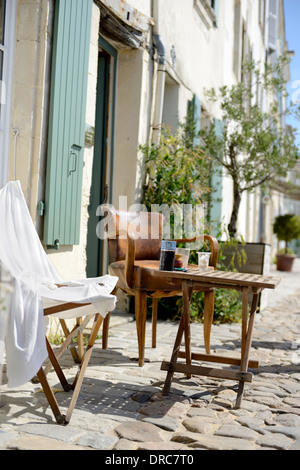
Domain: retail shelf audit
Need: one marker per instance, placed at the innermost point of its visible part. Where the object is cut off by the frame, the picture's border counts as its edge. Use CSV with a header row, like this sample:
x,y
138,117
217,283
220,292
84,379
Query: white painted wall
x,y
204,59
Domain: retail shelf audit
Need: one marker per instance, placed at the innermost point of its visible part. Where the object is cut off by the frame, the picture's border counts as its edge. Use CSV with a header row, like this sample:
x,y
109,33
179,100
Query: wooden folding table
x,y
246,284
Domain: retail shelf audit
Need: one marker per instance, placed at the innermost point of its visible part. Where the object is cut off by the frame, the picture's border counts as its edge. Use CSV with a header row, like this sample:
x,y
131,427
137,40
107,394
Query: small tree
x,y
254,148
179,173
287,228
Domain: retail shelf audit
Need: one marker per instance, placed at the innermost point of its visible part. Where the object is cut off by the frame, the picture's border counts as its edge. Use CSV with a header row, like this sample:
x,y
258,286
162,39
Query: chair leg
x,y
61,376
105,328
68,343
154,321
60,418
140,318
73,349
105,331
80,343
80,376
209,303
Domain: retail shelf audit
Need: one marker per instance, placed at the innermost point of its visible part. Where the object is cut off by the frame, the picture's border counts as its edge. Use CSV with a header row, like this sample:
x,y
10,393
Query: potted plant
x,y
287,228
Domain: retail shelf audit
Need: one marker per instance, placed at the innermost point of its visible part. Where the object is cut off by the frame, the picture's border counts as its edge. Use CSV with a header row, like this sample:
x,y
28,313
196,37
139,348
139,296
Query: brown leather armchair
x,y
129,256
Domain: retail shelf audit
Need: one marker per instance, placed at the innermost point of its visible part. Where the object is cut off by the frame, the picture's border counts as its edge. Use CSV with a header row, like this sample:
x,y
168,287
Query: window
x,y
273,24
262,15
171,103
214,4
208,10
237,47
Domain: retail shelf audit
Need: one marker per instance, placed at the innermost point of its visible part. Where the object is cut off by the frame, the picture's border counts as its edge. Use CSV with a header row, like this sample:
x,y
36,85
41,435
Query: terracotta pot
x,y
285,262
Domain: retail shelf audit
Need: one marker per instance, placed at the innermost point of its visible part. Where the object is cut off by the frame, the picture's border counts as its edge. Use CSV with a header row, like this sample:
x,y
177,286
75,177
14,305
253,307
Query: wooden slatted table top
x,y
224,277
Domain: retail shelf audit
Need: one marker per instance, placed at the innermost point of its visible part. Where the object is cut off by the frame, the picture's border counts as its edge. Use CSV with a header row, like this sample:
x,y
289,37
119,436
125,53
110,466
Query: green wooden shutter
x,y
216,183
273,24
66,133
196,115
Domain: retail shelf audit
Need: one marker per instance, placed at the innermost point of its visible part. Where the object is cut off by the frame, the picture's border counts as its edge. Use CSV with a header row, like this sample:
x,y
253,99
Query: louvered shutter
x,y
273,23
217,183
66,133
196,113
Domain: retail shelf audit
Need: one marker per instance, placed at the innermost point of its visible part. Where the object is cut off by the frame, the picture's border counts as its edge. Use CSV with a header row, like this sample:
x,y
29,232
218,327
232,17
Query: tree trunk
x,y
237,197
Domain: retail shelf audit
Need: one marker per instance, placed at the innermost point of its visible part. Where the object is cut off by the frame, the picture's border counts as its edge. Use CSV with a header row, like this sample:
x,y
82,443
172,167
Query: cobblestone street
x,y
121,408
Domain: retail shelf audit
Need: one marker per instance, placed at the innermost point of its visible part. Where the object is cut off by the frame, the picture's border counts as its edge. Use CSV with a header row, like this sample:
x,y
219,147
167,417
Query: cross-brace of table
x,y
245,283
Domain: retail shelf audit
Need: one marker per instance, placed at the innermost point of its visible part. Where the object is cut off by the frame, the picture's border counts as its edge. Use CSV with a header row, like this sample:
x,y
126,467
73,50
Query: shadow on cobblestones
x,y
120,406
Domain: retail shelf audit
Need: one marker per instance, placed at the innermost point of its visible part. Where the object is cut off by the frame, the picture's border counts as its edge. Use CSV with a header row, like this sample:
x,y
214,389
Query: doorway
x,y
101,187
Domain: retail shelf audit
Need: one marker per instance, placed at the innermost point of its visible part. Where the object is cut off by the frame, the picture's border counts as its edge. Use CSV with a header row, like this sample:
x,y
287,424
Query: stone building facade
x,y
132,65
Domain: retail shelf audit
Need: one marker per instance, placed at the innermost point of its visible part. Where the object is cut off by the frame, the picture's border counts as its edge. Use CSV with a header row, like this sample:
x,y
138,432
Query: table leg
x,y
184,327
245,312
246,350
174,357
209,301
187,291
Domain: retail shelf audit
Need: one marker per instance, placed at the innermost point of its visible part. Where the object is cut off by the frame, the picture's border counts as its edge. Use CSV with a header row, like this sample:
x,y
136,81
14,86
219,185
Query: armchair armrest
x,y
130,258
214,247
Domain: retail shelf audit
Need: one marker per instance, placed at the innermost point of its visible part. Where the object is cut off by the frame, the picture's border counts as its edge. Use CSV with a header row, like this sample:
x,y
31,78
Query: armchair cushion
x,y
142,278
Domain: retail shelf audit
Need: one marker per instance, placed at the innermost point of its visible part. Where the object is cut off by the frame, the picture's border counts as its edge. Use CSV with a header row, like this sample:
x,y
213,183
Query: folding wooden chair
x,y
37,292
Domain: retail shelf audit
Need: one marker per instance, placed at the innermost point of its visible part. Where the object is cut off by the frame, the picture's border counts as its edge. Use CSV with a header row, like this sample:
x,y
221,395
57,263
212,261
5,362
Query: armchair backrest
x,y
147,228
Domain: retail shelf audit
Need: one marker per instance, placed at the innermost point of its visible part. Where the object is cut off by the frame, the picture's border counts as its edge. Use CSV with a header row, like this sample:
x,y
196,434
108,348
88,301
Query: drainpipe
x,y
158,90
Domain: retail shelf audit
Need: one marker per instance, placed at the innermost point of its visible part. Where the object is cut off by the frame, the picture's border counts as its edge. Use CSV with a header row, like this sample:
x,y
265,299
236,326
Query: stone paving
x,y
120,406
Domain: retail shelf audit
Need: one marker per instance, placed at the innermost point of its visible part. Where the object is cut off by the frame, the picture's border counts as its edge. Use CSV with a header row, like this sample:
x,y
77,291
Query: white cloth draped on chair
x,y
34,282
